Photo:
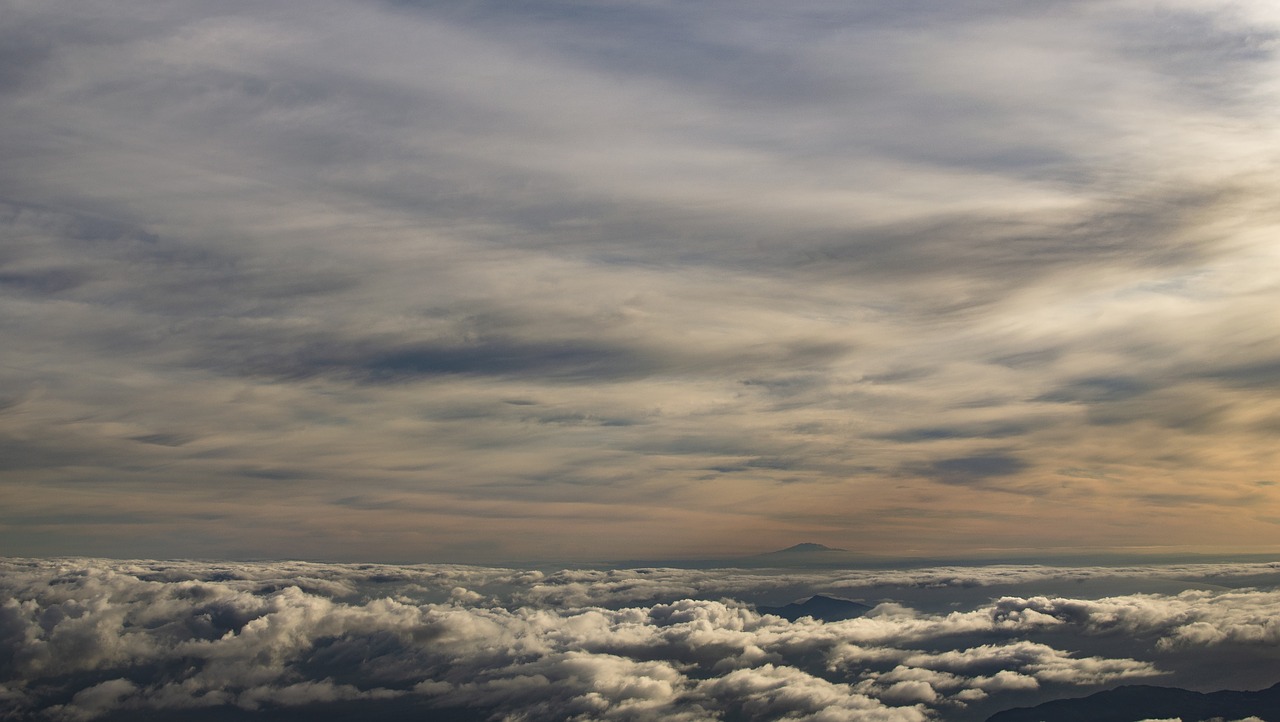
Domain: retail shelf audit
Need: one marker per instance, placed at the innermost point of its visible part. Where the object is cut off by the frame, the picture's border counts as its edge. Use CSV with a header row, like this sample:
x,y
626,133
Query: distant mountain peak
x,y
819,606
804,547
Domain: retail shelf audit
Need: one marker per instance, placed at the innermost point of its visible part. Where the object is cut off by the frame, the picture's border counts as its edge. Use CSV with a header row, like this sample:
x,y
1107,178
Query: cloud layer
x,y
407,281
83,639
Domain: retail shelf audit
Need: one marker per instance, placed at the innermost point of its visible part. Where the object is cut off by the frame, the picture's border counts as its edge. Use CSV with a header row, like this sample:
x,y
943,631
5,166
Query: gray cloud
x,y
975,431
164,439
976,469
573,360
1260,375
1097,390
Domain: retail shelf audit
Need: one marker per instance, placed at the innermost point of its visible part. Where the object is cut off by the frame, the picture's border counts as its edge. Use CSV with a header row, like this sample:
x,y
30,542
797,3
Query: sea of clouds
x,y
85,639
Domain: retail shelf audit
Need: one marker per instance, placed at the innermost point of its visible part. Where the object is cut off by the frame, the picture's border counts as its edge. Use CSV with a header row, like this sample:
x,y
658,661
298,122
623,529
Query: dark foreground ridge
x,y
1141,702
819,606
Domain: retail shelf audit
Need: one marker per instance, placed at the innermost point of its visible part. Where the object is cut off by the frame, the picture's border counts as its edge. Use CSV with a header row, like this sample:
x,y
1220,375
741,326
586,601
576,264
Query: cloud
x,y
1096,390
95,701
87,638
569,361
770,692
937,433
810,261
974,469
1249,376
1011,666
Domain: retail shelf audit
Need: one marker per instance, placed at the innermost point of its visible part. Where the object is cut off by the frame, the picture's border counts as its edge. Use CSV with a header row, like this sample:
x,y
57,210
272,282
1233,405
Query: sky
x,y
486,281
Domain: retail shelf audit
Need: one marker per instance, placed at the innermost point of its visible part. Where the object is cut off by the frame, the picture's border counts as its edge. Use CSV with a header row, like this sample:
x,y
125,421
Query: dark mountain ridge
x,y
1133,703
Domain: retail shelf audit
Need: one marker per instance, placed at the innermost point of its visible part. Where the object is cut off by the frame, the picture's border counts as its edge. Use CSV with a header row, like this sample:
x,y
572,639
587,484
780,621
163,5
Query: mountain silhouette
x,y
819,606
1132,703
806,547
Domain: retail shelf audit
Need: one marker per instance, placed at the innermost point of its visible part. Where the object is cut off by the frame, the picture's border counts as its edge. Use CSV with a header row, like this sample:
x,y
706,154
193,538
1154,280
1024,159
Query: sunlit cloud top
x,y
492,281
